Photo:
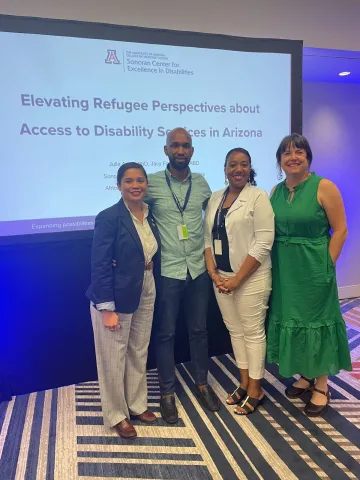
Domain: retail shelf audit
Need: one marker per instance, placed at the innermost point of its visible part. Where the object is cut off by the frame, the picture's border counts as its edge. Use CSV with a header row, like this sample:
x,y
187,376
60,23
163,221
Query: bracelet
x,y
212,274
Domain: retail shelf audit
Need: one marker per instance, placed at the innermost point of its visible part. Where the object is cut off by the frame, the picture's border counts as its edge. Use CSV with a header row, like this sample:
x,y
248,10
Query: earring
x,y
280,175
226,180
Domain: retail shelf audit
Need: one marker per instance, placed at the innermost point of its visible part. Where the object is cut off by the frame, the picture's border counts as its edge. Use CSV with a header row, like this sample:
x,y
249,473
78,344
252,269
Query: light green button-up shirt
x,y
178,256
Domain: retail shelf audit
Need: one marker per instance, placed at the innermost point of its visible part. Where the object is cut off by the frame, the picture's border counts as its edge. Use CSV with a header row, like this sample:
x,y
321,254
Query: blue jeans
x,y
195,295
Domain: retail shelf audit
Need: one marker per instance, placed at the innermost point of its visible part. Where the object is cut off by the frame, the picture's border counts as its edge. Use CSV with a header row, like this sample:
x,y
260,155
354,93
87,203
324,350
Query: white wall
x,y
331,124
320,23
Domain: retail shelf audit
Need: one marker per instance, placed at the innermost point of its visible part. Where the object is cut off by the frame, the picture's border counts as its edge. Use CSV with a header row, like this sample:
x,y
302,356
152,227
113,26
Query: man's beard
x,y
179,166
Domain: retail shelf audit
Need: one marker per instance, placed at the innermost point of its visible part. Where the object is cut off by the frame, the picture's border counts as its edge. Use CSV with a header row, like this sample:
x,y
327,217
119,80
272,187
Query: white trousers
x,y
121,357
244,312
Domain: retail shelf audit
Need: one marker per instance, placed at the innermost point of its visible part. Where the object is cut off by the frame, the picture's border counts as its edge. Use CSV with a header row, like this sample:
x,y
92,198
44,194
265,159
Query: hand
x,y
218,280
229,285
111,320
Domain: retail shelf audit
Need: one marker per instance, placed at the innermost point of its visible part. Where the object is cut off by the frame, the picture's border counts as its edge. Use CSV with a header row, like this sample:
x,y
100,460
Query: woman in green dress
x,y
306,332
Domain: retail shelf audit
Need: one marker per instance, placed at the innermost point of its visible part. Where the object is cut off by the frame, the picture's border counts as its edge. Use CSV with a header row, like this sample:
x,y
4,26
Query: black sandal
x,y
296,392
236,396
312,410
250,404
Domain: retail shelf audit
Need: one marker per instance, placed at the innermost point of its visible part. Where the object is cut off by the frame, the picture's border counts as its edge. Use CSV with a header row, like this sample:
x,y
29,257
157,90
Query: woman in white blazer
x,y
239,233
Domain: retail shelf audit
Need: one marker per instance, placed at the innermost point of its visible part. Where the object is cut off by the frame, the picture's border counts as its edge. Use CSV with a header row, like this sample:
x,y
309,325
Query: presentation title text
x,y
98,103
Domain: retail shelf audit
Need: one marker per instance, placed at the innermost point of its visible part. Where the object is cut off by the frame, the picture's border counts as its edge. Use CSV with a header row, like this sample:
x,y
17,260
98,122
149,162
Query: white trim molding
x,y
350,291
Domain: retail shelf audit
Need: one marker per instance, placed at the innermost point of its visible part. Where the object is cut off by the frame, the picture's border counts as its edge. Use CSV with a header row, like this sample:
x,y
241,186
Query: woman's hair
x,y
245,152
126,166
296,140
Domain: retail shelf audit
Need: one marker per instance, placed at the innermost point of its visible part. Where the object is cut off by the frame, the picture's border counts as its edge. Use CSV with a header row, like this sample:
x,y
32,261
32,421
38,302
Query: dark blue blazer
x,y
116,239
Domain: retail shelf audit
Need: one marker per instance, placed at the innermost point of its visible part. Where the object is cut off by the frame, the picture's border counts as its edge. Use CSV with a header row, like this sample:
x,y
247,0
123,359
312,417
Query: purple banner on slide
x,y
46,225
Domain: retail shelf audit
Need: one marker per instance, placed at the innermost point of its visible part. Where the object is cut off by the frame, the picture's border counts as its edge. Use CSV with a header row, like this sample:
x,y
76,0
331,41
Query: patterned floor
x,y
59,434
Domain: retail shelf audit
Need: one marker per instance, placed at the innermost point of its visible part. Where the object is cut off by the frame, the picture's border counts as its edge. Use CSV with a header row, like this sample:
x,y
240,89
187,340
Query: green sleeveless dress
x,y
306,333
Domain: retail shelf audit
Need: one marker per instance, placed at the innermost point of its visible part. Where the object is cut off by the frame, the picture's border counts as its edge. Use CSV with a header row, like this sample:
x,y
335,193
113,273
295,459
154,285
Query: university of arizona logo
x,y
112,58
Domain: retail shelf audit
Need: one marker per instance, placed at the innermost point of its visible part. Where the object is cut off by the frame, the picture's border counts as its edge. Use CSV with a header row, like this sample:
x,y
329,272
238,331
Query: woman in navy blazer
x,y
125,257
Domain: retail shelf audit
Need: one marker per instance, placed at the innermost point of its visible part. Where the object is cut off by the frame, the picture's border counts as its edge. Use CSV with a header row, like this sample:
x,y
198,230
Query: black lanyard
x,y
187,196
218,213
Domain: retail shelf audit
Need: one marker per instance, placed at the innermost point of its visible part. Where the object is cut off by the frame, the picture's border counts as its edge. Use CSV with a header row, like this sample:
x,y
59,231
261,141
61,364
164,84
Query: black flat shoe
x,y
168,409
208,397
296,392
312,410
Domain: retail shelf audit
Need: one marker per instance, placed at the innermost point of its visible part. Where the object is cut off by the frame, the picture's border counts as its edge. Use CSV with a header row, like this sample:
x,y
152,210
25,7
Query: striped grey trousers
x,y
121,357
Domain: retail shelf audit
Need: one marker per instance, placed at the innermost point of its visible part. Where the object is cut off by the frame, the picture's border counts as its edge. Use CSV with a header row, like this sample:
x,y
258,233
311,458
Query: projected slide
x,y
73,110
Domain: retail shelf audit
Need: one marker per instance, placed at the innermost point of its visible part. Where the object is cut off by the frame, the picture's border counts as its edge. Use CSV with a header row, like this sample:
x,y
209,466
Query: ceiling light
x,y
343,74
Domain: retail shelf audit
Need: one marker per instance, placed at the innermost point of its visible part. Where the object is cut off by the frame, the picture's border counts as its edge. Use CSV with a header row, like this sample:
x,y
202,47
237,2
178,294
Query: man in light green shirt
x,y
178,198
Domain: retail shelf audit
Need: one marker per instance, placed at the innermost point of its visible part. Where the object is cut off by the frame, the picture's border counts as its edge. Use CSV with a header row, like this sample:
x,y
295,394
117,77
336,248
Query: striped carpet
x,y
59,434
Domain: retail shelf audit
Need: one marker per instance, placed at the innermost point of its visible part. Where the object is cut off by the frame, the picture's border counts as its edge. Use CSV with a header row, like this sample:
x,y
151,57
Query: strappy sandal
x,y
312,410
296,392
236,396
249,404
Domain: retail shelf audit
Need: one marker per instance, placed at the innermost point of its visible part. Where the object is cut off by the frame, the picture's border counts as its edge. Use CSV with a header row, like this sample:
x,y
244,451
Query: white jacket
x,y
249,226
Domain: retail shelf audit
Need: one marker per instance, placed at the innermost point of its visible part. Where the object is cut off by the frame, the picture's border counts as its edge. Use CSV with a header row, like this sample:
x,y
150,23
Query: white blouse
x,y
145,233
